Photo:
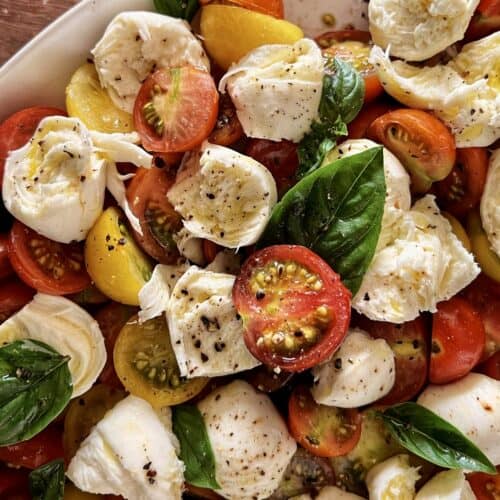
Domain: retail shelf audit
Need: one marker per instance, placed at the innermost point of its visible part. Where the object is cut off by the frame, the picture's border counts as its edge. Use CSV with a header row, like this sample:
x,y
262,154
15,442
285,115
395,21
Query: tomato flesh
x,y
294,307
485,486
370,112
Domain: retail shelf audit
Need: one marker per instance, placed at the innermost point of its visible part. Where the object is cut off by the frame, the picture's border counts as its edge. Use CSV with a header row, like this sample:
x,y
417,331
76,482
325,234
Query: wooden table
x,y
20,20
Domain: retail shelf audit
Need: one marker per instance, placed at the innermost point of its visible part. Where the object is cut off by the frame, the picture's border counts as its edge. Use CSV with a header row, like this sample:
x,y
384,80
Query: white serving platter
x,y
39,73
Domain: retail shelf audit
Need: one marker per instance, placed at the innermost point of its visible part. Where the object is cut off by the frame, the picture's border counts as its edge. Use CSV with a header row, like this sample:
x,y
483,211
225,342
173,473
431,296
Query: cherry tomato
x,y
370,112
485,486
44,447
91,296
45,265
210,250
295,309
491,366
270,7
353,46
280,158
458,340
325,431
265,379
14,484
421,142
486,20
228,129
409,343
14,294
176,109
462,189
147,195
5,266
203,493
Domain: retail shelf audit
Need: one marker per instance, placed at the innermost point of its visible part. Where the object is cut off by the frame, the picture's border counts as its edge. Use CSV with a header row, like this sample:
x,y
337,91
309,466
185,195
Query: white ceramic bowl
x,y
39,73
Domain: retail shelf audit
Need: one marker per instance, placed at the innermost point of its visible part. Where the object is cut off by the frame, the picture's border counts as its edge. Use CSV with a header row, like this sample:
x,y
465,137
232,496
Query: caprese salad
x,y
247,264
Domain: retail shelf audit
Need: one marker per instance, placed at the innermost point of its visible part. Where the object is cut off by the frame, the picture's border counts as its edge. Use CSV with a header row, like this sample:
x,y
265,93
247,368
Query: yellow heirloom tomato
x,y
458,230
88,101
117,266
229,33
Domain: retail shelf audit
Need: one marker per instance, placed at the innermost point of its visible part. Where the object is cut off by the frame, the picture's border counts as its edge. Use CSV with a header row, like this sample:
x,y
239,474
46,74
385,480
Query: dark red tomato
x,y
45,265
18,129
147,195
458,340
280,158
353,46
491,366
485,486
295,309
265,379
486,20
14,295
202,493
210,250
461,191
5,266
43,448
14,484
112,318
370,112
325,431
228,129
409,343
176,109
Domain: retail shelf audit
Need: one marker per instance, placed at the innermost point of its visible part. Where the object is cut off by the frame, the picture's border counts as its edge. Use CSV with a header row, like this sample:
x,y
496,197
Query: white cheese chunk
x,y
330,493
276,90
490,203
250,441
447,485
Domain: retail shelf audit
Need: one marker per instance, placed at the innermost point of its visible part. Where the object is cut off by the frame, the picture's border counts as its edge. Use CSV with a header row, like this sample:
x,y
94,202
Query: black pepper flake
x,y
211,196
204,357
338,363
219,346
83,178
111,247
121,241
366,297
184,292
147,466
197,344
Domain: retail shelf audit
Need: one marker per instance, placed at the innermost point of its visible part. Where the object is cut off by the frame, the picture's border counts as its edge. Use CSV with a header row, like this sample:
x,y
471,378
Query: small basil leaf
x,y
430,437
183,9
196,450
335,211
47,482
35,387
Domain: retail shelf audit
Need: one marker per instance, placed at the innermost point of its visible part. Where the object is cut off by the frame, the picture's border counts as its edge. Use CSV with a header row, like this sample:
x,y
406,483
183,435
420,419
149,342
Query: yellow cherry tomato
x,y
458,230
71,492
146,365
481,248
117,266
229,33
87,100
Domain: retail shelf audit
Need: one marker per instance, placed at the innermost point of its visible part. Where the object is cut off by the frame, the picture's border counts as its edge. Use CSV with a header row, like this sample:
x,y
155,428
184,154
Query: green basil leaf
x,y
35,387
430,437
183,9
335,211
196,450
47,482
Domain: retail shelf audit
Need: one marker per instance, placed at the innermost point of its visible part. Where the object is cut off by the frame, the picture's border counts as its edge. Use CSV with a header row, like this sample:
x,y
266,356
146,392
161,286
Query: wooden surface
x,y
20,20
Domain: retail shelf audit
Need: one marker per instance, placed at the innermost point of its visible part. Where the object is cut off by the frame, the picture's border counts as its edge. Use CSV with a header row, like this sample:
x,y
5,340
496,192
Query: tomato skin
x,y
228,128
462,189
491,366
458,340
273,8
319,437
14,484
14,294
44,447
5,266
485,21
210,250
192,109
261,318
368,114
485,486
265,379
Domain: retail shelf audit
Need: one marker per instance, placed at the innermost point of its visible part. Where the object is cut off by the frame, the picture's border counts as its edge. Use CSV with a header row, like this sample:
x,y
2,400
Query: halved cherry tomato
x,y
370,112
485,486
14,294
265,379
45,265
176,109
147,195
91,296
204,493
228,128
409,343
353,46
280,158
486,20
14,484
491,366
44,447
295,309
5,266
421,142
270,7
458,340
462,189
325,431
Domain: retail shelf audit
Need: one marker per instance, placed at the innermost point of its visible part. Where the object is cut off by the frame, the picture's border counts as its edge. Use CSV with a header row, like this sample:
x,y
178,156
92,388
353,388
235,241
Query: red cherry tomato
x,y
485,486
228,129
325,431
265,379
486,20
14,484
491,366
458,340
14,295
273,8
5,266
210,250
370,112
176,109
294,307
47,266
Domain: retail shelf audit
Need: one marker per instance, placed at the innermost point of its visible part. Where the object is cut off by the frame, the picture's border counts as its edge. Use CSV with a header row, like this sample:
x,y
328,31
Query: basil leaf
x,y
430,437
196,450
335,211
47,482
35,387
183,9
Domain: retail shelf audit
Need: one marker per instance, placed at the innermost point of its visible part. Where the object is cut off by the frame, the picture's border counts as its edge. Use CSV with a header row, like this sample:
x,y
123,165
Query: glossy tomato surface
x,y
228,129
14,294
368,114
273,8
485,486
14,484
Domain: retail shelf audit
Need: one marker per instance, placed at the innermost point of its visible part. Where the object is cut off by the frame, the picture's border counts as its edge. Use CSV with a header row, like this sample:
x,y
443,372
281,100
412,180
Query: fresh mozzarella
x,y
416,30
359,373
393,478
463,93
190,247
137,43
276,90
447,485
250,441
227,198
67,328
226,262
472,404
490,203
205,328
425,263
330,493
129,453
55,184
